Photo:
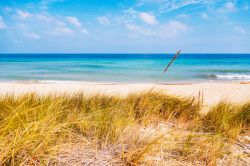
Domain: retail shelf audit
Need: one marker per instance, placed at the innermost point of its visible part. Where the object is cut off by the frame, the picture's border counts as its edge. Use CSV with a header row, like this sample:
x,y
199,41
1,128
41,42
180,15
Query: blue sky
x,y
125,26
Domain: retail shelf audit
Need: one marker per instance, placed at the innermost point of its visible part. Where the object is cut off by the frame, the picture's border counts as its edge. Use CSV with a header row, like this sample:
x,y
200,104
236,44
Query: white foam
x,y
233,76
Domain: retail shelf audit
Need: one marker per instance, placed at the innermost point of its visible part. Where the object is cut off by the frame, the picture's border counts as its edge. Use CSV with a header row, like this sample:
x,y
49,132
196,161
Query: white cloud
x,y
84,31
47,24
135,28
103,20
2,23
172,29
148,18
33,35
131,12
170,5
229,7
74,21
24,14
240,30
61,31
183,16
45,4
176,25
42,17
204,16
138,30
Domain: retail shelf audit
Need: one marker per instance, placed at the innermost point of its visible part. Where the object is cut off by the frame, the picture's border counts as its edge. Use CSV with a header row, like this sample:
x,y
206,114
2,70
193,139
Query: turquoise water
x,y
123,68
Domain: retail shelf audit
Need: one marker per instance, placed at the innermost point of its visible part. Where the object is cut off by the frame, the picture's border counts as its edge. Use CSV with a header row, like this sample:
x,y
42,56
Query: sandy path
x,y
213,92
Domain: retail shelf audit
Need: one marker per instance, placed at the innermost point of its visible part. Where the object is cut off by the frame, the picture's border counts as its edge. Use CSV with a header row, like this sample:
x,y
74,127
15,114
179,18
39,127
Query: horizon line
x,y
128,53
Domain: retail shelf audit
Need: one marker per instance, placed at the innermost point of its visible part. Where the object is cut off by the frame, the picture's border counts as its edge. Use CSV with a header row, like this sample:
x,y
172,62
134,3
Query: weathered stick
x,y
169,64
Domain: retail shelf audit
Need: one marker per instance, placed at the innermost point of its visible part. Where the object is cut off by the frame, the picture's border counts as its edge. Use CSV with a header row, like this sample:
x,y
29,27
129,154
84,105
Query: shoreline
x,y
213,91
179,82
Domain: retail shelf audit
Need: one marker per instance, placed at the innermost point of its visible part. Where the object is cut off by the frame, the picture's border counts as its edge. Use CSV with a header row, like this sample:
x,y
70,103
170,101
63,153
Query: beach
x,y
213,92
214,76
101,124
122,109
124,83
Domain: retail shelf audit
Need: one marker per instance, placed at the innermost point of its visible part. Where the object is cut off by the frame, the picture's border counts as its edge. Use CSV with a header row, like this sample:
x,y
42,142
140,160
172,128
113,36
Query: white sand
x,y
213,92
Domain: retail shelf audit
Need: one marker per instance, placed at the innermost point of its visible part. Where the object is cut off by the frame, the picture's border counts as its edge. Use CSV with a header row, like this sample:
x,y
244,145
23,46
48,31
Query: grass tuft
x,y
33,128
227,119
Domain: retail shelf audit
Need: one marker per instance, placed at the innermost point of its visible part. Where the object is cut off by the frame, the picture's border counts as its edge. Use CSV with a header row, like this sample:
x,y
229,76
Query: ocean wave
x,y
230,76
223,71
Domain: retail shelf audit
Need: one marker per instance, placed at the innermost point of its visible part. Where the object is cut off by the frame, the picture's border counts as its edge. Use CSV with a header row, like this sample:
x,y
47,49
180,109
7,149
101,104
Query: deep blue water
x,y
124,67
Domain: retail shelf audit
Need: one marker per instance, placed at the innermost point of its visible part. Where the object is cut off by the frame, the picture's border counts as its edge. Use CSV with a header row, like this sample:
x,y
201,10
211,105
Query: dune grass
x,y
180,148
33,128
228,119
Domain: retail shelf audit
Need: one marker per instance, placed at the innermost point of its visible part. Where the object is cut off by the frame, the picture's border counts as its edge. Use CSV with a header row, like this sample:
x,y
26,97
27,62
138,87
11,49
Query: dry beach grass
x,y
149,128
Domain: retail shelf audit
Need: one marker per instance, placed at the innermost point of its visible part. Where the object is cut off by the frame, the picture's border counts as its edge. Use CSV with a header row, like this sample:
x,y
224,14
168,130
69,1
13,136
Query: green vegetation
x,y
34,129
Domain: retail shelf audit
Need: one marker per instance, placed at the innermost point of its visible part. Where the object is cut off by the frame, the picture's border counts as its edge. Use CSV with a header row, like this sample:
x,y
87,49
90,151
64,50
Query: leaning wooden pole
x,y
172,60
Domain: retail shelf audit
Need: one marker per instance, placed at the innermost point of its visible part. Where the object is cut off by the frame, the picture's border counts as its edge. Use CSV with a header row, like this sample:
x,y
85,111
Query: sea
x,y
124,68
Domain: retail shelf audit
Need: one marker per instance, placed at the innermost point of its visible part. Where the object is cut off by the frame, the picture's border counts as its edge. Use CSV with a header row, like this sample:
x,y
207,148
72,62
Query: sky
x,y
124,26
